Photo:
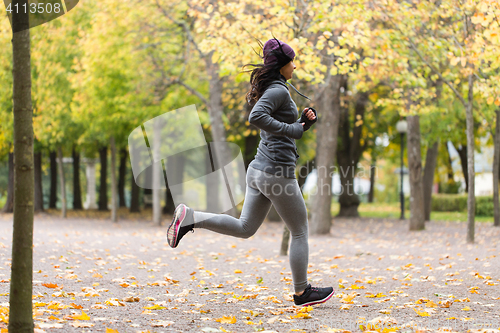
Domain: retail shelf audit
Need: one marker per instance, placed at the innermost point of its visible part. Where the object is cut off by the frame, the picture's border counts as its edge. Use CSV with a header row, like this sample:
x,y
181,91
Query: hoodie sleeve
x,y
260,116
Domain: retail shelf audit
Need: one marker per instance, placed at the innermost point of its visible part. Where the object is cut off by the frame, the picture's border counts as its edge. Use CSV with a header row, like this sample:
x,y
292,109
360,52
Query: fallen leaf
x,y
154,307
422,313
50,285
83,316
131,299
226,320
75,306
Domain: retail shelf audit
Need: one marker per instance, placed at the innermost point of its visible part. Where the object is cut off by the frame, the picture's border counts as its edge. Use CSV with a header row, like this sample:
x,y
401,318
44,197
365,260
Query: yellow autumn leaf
x,y
454,61
83,316
431,304
110,330
355,286
305,309
466,309
348,299
155,307
422,313
226,320
301,315
237,271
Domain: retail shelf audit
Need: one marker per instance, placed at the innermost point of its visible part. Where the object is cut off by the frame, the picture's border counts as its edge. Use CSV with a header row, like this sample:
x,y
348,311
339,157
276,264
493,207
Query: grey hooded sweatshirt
x,y
275,113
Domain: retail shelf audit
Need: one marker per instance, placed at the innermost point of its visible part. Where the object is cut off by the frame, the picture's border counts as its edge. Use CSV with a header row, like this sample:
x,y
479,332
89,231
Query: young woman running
x,y
270,176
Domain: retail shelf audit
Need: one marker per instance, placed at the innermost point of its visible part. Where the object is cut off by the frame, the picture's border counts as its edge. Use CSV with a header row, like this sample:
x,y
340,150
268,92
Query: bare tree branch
x,y
182,24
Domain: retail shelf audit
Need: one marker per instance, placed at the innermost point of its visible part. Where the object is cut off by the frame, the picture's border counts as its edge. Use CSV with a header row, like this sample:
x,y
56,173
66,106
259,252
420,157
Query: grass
x,y
373,210
393,211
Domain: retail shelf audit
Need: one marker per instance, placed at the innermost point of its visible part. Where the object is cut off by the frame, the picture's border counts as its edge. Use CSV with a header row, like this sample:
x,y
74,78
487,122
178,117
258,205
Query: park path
x,y
91,275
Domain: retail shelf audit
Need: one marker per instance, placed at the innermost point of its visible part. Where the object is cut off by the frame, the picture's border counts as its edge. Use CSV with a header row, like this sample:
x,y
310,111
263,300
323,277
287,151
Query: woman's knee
x,y
246,230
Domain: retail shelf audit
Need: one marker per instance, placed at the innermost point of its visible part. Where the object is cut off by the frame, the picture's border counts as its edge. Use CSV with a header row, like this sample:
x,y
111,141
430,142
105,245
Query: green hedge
x,y
458,203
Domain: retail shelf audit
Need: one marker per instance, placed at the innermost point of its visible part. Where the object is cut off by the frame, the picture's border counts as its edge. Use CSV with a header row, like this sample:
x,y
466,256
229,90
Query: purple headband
x,y
272,47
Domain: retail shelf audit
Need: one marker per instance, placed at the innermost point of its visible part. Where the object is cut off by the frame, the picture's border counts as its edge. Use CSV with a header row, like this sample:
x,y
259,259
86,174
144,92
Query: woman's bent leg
x,y
255,209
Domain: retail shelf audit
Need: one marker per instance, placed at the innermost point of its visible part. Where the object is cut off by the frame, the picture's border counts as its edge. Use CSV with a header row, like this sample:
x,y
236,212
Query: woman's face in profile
x,y
287,70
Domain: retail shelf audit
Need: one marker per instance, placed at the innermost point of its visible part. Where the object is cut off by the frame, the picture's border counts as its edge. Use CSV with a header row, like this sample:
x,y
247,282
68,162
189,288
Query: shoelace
x,y
314,289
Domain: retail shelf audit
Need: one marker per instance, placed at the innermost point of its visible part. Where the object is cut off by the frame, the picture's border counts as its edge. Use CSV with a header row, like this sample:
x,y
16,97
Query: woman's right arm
x,y
260,116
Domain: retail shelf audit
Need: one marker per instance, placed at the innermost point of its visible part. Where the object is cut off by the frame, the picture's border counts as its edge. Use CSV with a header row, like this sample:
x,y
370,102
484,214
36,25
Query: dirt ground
x,y
93,275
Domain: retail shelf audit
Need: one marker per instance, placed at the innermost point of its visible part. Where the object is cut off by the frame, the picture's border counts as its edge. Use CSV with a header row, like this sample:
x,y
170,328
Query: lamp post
x,y
402,128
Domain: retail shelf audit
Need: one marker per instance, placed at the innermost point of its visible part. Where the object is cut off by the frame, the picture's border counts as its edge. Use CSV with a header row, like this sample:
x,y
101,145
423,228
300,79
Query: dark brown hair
x,y
262,75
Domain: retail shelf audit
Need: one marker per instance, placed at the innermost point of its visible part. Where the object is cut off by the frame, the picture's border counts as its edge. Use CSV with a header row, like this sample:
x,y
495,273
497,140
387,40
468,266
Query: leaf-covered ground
x,y
91,275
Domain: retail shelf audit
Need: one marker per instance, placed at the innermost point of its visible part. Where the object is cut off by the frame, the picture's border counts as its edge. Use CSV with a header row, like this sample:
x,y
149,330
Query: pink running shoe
x,y
182,222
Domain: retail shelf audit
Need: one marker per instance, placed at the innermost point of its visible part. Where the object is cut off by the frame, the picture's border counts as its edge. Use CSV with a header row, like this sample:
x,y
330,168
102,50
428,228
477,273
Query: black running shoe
x,y
313,295
182,222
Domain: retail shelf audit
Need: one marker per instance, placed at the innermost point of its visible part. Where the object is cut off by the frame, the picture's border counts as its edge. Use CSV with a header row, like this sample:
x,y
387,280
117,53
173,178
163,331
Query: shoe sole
x,y
320,301
173,230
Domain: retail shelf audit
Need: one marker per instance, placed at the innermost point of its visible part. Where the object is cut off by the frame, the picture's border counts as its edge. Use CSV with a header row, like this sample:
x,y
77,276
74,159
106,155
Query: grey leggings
x,y
262,190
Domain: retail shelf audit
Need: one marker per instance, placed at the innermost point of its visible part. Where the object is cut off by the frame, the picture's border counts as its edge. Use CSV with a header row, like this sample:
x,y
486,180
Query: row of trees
x,y
106,67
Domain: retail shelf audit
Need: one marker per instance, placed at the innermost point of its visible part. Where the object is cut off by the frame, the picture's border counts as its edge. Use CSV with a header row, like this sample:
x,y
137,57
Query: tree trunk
x,y
212,186
157,173
462,152
373,172
62,181
53,179
77,189
304,171
327,134
114,192
135,206
9,204
121,177
348,155
285,241
417,217
103,186
38,182
251,141
496,166
175,168
21,281
215,112
430,167
471,199
449,168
